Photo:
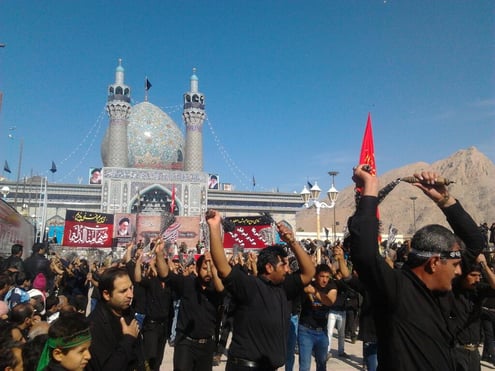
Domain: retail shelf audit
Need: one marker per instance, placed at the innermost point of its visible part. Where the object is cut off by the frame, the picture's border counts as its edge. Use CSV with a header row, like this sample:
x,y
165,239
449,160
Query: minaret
x,y
194,115
115,148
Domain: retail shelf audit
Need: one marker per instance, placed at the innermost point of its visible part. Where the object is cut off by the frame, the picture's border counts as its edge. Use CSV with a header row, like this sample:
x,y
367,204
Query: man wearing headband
x,y
410,305
67,347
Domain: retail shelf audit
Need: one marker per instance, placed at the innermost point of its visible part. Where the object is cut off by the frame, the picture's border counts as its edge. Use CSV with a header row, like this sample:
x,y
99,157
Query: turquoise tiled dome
x,y
155,141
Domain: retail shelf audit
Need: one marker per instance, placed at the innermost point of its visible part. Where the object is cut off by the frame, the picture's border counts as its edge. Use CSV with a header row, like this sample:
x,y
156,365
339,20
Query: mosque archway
x,y
155,199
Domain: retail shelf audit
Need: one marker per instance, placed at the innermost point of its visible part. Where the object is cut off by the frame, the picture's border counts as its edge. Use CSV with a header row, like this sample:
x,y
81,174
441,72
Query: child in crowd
x,y
67,347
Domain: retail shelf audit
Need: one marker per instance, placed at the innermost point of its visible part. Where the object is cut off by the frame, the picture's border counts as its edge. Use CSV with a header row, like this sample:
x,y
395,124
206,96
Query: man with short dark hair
x,y
116,342
157,306
468,296
21,316
321,293
410,307
200,298
11,355
262,315
14,261
38,263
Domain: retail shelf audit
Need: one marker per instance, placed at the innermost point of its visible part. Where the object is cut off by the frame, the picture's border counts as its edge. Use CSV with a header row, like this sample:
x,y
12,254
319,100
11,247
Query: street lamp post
x,y
413,199
332,195
311,198
5,191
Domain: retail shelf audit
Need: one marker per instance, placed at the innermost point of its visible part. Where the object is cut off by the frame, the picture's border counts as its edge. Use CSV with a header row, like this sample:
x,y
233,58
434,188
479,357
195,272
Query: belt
x,y
313,327
199,341
470,347
243,362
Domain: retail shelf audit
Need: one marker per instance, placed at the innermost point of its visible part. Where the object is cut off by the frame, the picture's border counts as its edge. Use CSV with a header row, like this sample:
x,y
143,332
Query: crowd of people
x,y
426,304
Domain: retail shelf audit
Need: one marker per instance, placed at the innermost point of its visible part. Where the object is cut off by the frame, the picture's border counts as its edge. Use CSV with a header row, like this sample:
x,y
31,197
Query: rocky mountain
x,y
474,187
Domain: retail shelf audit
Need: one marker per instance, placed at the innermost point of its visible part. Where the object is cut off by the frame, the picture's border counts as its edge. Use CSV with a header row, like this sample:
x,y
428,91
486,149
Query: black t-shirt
x,y
314,313
262,315
139,299
158,298
198,307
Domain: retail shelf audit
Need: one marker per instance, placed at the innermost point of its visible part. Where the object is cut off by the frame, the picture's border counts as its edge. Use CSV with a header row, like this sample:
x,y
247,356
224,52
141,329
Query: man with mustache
x,y
200,298
261,319
411,305
117,344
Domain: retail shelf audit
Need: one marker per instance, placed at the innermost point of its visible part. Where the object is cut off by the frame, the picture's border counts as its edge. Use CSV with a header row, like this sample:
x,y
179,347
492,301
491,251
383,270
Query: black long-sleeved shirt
x,y
411,321
110,348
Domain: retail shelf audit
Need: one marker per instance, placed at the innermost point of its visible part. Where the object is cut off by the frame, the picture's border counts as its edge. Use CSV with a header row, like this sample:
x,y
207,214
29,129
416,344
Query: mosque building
x,y
150,168
146,157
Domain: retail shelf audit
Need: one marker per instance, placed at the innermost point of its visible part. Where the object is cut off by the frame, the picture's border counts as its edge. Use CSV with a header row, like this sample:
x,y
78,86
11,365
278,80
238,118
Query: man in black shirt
x,y
468,294
200,298
312,331
261,320
409,309
37,263
116,344
158,306
14,260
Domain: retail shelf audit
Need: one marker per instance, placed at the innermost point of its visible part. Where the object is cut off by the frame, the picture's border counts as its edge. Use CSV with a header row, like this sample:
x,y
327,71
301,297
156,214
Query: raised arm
x,y
304,260
338,254
487,272
363,227
217,282
138,272
128,252
461,222
216,246
161,263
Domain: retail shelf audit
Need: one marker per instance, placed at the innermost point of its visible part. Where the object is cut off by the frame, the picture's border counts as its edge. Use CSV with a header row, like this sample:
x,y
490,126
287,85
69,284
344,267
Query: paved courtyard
x,y
354,362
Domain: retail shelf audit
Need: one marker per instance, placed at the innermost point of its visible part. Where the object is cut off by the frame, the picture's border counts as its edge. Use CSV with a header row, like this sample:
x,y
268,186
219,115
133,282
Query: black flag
x,y
309,185
147,85
6,167
54,168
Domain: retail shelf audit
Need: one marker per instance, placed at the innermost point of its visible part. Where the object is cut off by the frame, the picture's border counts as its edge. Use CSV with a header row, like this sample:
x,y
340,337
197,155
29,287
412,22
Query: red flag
x,y
172,204
367,155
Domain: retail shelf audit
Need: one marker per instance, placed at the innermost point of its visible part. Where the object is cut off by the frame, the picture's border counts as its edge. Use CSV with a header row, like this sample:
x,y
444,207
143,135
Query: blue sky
x,y
288,84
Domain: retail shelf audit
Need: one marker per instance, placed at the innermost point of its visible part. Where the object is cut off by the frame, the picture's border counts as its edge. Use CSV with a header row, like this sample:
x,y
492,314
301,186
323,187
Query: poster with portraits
x,y
213,181
142,229
124,228
94,175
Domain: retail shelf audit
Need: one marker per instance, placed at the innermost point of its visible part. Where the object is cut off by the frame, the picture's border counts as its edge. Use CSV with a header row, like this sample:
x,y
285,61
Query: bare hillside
x,y
474,176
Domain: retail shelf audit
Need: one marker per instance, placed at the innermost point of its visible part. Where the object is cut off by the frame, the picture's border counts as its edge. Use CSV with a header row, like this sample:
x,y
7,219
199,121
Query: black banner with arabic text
x,y
88,229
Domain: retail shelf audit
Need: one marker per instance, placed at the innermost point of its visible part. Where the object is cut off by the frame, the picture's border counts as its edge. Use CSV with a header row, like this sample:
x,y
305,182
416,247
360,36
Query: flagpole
x,y
147,86
145,89
21,145
44,211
